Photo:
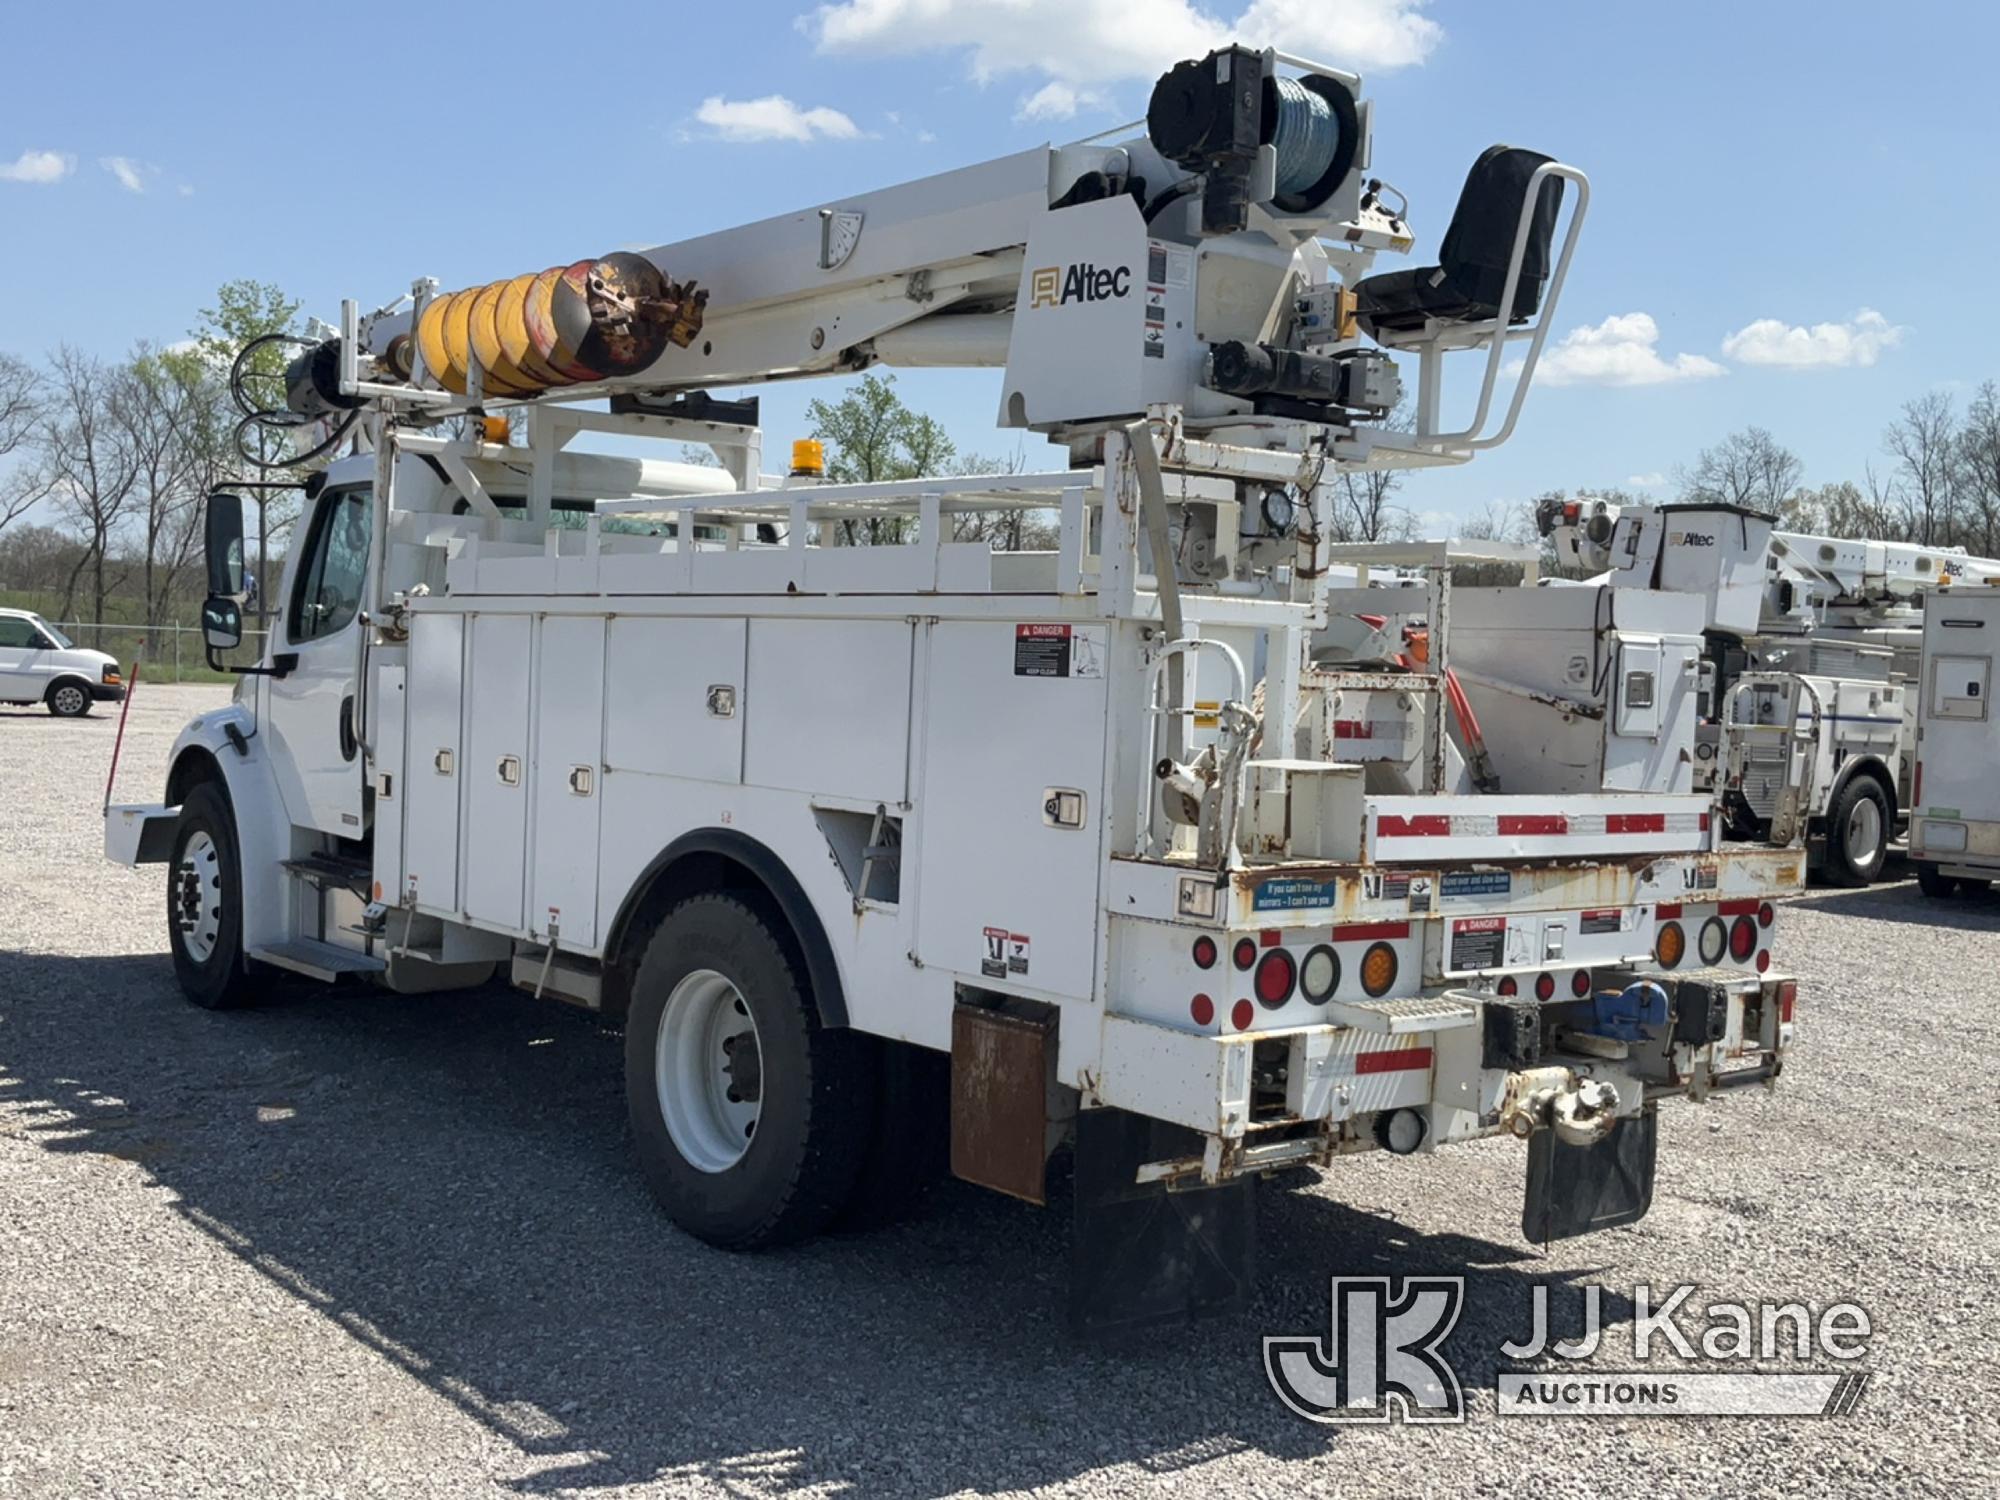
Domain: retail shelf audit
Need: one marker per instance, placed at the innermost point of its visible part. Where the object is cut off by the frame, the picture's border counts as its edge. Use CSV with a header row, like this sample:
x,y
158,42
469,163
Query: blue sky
x,y
1793,223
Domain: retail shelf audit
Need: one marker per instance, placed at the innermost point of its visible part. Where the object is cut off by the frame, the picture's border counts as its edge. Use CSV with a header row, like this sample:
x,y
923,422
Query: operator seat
x,y
1465,285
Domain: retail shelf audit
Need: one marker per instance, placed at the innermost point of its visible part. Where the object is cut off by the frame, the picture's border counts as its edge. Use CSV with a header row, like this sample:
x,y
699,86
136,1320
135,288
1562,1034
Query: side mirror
x,y
224,544
221,623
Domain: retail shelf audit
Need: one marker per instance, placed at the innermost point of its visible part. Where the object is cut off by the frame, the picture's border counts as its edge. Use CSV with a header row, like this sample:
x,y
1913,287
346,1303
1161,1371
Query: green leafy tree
x,y
872,435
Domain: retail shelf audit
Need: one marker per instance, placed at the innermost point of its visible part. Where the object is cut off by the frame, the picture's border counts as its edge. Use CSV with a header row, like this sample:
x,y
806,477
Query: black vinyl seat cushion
x,y
1465,285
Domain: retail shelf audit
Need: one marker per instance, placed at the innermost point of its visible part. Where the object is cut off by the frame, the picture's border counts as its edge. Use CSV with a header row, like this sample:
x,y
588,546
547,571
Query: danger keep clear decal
x,y
1052,650
1477,942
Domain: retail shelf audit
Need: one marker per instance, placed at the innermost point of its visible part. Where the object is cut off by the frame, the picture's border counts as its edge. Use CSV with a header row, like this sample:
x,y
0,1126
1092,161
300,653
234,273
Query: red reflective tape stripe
x,y
1270,937
1704,822
1402,1059
1541,823
1428,825
1667,909
1747,907
1353,729
1635,822
1363,932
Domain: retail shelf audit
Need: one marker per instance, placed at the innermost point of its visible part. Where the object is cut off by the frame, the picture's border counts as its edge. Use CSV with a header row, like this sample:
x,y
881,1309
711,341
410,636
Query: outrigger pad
x,y
1141,1254
1575,1190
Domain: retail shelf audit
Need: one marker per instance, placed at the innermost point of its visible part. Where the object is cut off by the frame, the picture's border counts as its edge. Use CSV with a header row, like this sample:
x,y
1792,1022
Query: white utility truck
x,y
1810,682
1160,845
1955,827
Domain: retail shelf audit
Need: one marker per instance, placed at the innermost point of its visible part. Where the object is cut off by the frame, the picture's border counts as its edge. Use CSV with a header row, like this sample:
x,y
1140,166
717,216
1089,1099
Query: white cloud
x,y
1057,101
1823,346
38,166
1622,350
1077,43
772,118
1650,481
127,171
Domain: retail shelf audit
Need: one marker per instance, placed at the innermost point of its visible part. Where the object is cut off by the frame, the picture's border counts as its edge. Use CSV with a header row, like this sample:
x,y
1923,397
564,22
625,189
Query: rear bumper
x,y
1466,1070
140,833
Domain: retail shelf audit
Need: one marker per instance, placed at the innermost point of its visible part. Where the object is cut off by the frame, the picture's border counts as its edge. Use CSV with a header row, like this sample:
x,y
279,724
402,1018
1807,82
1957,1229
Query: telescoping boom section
x,y
1172,829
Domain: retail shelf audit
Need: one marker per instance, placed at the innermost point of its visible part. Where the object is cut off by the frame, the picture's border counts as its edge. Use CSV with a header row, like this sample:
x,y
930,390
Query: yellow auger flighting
x,y
569,325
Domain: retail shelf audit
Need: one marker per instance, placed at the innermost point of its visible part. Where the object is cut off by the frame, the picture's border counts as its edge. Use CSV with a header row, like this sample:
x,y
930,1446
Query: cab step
x,y
333,872
316,960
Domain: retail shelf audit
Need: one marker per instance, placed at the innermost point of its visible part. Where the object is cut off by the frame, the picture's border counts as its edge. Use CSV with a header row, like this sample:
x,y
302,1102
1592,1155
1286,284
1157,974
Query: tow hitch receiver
x,y
1579,1189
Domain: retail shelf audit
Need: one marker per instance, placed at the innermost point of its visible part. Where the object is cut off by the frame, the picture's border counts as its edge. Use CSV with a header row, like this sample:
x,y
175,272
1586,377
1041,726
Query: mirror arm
x,y
282,665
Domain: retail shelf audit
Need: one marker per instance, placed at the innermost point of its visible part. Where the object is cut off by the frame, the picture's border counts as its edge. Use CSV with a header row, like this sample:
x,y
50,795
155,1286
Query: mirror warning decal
x,y
1055,650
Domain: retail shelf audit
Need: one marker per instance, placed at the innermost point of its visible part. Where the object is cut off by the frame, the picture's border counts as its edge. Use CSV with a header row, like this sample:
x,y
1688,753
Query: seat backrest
x,y
1480,240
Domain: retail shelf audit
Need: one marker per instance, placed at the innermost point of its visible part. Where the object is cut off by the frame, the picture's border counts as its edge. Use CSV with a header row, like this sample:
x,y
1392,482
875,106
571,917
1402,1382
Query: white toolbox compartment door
x,y
1007,889
496,769
569,738
432,763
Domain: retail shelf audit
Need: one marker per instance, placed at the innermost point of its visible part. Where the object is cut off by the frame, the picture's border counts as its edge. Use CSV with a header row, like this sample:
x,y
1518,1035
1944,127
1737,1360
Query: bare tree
x,y
85,455
1978,464
1748,468
1923,441
21,398
171,411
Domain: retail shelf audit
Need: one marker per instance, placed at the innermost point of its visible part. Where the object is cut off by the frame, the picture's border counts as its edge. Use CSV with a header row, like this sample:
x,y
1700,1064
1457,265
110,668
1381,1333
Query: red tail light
x,y
1742,939
1245,952
1204,953
1276,974
1579,983
1766,914
1764,961
1545,986
1241,1014
1202,1009
1507,986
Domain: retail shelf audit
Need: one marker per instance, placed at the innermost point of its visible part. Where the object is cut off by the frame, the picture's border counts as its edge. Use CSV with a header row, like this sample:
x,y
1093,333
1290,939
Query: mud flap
x,y
1141,1254
1575,1190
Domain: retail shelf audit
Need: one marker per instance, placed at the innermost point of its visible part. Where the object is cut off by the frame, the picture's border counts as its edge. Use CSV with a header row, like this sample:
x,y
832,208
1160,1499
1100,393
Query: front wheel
x,y
1857,833
751,1119
205,903
69,700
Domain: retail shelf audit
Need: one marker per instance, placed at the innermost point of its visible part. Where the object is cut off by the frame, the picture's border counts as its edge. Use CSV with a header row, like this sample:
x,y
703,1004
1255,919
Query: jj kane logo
x,y
1380,1358
1080,281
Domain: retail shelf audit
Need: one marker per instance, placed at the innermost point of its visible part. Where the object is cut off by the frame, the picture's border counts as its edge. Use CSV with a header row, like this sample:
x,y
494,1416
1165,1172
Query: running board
x,y
1401,1017
317,960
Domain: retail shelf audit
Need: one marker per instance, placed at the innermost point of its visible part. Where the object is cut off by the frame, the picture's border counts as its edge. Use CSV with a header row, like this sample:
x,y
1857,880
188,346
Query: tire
x,y
1857,833
205,903
909,1150
720,972
68,700
1935,883
1974,887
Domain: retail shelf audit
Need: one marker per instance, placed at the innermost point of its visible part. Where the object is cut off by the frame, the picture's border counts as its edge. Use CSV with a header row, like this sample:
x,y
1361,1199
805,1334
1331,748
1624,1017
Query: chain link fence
x,y
173,653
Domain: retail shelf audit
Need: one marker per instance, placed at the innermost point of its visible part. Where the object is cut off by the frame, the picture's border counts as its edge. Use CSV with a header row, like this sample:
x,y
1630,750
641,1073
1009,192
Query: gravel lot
x,y
372,1245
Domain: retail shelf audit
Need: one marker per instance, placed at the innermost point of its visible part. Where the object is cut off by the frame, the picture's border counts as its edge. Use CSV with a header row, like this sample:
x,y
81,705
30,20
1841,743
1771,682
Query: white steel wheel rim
x,y
69,700
1864,831
708,1071
198,896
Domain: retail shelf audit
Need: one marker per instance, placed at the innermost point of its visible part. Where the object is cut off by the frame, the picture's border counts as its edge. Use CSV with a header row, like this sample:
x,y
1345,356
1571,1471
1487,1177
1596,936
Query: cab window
x,y
20,633
327,595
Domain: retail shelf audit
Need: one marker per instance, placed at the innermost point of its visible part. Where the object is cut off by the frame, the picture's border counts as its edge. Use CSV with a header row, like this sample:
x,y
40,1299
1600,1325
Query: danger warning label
x,y
1478,942
1055,650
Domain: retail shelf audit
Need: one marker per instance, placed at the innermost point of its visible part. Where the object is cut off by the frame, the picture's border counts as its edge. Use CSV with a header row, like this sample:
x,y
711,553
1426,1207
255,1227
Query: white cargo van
x,y
1955,830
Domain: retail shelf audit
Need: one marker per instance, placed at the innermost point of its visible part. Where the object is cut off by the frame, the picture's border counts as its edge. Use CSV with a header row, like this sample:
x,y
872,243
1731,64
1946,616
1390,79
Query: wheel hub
x,y
197,906
708,1070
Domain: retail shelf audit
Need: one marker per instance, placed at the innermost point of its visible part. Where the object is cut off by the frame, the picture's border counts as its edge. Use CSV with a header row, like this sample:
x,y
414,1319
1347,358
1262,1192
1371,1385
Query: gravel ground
x,y
371,1245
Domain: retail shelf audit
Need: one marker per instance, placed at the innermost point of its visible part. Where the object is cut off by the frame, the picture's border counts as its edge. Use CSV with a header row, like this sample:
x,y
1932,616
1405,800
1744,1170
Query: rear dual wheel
x,y
752,1120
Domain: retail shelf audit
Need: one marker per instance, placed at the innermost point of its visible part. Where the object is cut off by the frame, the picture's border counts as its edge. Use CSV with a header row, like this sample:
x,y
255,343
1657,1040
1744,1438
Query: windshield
x,y
52,633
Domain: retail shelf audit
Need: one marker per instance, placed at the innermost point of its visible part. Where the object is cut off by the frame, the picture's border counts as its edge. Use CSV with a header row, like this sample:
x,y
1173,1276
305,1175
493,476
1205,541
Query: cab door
x,y
309,712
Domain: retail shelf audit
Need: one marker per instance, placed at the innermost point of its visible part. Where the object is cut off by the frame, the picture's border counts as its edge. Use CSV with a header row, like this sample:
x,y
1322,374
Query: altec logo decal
x,y
1690,539
1055,286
